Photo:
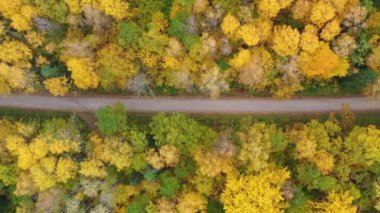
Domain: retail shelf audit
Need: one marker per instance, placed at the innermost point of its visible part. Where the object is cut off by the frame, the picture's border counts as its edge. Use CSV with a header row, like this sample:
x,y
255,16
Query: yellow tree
x,y
377,194
314,141
66,169
83,73
47,157
119,9
324,161
331,30
240,59
322,12
112,150
284,3
212,164
250,34
255,72
285,40
306,145
170,155
92,168
200,5
323,63
16,53
15,59
340,5
373,60
309,39
269,8
154,159
363,146
255,193
74,6
116,67
213,82
20,12
301,10
336,202
192,202
255,147
264,28
230,24
57,86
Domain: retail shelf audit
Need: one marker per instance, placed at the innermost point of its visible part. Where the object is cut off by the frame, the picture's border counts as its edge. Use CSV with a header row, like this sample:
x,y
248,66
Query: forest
x,y
174,163
279,48
123,162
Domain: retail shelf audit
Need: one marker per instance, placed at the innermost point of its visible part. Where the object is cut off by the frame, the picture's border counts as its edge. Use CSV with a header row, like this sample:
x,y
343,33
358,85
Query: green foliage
x,y
52,71
150,174
299,201
129,34
138,162
230,5
55,10
223,64
214,206
185,169
376,3
180,131
313,179
169,184
190,40
186,3
146,8
59,30
141,188
135,178
363,49
138,205
177,27
278,142
8,175
166,7
368,4
112,119
56,34
319,88
356,82
62,128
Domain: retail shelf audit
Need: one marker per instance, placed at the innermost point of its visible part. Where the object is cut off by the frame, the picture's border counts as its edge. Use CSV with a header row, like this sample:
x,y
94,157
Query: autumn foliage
x,y
187,46
175,163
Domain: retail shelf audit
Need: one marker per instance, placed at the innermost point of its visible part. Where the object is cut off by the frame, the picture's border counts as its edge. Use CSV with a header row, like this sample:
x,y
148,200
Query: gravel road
x,y
191,105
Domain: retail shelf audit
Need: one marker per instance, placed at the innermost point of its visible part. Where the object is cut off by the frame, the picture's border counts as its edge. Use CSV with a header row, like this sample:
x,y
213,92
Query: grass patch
x,y
217,122
220,122
32,114
41,116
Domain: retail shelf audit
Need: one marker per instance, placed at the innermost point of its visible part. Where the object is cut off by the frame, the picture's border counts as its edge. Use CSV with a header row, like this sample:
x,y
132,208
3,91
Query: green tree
x,y
55,10
49,71
180,131
138,205
313,179
128,34
169,184
112,119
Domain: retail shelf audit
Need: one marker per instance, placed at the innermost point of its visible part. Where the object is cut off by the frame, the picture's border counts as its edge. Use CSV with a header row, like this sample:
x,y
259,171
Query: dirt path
x,y
223,106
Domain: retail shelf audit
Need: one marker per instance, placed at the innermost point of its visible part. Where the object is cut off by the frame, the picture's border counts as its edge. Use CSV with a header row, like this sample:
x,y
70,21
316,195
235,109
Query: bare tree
x,y
140,85
97,19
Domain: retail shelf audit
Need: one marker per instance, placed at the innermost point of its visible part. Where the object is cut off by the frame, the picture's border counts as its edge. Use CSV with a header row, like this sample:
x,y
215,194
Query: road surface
x,y
191,105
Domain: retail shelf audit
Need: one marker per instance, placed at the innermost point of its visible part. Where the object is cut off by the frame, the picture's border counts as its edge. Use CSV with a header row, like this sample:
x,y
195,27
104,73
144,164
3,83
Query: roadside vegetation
x,y
278,48
176,163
